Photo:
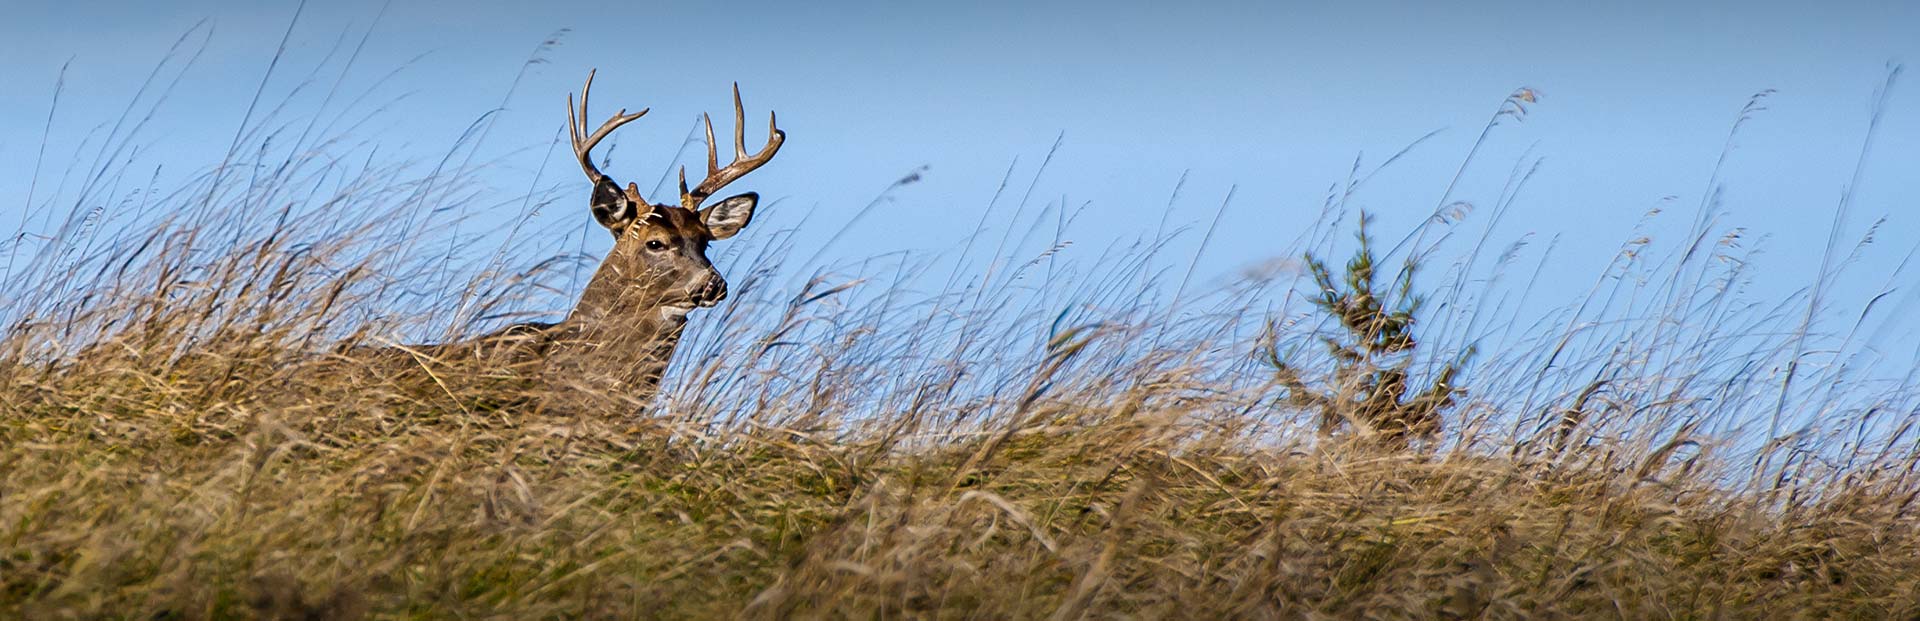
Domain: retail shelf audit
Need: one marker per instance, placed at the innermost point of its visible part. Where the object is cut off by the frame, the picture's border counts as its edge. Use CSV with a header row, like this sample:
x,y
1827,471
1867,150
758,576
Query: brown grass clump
x,y
182,437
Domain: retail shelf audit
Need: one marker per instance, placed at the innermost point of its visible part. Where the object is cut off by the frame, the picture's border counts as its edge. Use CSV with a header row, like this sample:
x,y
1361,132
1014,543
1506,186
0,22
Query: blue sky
x,y
1275,100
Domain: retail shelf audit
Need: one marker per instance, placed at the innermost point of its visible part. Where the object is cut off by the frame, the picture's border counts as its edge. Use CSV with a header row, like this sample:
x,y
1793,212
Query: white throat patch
x,y
675,313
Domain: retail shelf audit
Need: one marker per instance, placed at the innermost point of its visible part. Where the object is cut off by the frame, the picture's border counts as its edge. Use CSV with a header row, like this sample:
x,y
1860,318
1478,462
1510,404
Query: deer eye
x,y
655,245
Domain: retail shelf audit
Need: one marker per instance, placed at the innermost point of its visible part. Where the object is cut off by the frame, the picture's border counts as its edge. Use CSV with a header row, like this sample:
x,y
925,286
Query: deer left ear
x,y
727,217
611,207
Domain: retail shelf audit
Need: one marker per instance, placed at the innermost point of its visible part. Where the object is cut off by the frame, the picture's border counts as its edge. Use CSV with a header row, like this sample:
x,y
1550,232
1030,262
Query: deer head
x,y
658,268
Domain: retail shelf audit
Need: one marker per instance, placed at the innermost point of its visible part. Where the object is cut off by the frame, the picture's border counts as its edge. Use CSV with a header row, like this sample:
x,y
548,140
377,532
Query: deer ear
x,y
612,207
727,217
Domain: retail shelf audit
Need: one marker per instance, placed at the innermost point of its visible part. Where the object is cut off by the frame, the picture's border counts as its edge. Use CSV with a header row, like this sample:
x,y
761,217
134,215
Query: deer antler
x,y
582,143
718,177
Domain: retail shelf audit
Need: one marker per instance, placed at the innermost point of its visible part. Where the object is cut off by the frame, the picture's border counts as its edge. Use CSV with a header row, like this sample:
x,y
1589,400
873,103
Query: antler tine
x,y
717,176
739,125
583,143
713,159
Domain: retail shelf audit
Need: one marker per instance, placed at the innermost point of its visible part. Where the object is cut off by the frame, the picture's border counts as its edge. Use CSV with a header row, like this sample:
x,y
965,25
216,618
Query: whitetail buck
x,y
623,330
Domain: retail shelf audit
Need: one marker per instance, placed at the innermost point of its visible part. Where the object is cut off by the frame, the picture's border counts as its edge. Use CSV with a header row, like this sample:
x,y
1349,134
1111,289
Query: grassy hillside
x,y
1384,438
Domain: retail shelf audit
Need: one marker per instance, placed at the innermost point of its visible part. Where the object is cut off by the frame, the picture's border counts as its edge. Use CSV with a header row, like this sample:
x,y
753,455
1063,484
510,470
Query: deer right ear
x,y
727,217
612,207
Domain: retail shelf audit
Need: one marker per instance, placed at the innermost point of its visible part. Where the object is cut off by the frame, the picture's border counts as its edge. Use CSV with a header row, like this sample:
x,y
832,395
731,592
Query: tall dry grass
x,y
1036,436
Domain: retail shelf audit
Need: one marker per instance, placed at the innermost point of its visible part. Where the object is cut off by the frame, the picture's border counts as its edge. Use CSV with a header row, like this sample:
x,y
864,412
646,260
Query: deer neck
x,y
622,334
